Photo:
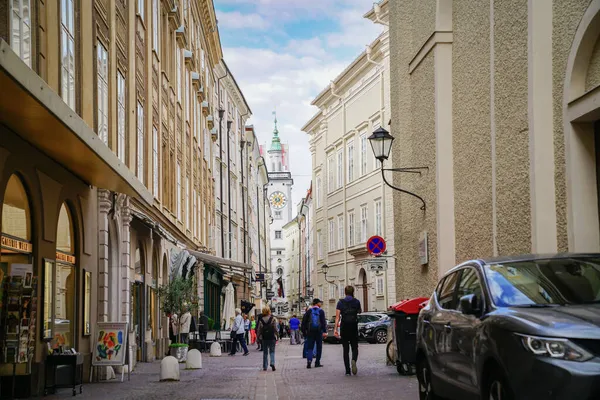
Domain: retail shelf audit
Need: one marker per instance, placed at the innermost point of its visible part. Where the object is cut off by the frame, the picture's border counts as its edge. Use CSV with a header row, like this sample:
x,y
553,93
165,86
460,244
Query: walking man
x,y
348,309
238,333
316,329
295,330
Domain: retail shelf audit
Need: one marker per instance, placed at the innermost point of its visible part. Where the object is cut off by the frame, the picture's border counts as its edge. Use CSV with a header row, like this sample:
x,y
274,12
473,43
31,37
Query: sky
x,y
283,53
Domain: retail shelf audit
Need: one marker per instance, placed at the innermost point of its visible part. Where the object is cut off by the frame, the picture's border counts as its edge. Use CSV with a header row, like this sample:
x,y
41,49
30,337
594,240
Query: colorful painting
x,y
110,347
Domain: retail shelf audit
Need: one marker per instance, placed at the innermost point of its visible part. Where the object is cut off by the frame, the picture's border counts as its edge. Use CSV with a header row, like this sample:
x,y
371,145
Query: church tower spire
x,y
275,142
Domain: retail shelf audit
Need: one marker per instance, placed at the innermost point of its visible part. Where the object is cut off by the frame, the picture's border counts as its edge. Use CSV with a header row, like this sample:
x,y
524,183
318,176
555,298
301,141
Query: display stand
x,y
111,347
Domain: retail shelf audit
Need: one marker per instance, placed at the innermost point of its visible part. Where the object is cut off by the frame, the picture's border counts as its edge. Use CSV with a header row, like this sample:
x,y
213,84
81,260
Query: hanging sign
x,y
376,245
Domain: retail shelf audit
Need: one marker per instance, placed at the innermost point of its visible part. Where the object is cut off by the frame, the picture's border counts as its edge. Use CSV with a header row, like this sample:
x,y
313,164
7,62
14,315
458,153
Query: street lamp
x,y
381,144
325,268
301,213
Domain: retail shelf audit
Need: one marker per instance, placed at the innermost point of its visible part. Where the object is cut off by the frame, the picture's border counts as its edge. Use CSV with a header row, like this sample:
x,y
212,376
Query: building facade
x,y
351,202
500,101
106,168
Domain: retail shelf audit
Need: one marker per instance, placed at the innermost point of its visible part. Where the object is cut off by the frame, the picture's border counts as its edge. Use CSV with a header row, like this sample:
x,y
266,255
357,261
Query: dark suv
x,y
513,328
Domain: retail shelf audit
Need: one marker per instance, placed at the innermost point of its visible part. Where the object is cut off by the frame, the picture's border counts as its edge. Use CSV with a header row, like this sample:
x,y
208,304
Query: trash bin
x,y
405,315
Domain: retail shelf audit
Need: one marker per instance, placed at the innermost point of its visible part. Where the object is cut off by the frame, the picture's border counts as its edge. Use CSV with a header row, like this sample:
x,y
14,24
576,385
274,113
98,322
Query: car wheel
x,y
424,377
381,336
497,387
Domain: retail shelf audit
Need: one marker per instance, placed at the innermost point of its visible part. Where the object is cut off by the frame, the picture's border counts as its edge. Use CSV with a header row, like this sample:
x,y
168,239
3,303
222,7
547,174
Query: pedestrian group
x,y
265,331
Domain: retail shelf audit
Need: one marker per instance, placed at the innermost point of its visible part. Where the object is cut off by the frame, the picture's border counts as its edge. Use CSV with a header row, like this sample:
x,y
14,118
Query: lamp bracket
x,y
408,169
412,170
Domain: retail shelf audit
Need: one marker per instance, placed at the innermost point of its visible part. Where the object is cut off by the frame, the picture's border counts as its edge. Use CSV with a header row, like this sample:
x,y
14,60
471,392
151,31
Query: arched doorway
x,y
16,264
64,315
137,299
581,116
363,284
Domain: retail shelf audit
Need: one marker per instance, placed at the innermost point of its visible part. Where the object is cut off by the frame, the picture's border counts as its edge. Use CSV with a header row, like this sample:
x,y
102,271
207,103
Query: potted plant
x,y
177,297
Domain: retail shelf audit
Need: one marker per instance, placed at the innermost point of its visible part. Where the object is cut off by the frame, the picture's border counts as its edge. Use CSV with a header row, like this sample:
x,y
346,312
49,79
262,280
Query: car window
x,y
447,298
469,284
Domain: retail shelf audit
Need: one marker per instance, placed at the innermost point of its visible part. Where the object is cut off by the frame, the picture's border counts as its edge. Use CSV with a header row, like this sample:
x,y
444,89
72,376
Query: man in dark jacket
x,y
203,326
347,310
315,328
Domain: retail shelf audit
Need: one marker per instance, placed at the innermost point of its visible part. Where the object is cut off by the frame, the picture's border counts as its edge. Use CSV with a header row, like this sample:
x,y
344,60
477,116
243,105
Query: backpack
x,y
315,319
349,313
268,333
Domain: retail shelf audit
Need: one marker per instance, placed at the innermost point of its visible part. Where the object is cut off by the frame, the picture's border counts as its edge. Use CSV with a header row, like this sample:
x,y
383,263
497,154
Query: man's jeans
x,y
349,338
314,339
239,337
268,347
295,336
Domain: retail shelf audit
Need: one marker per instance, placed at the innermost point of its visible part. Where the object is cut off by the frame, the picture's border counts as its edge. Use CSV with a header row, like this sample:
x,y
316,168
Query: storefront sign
x,y
423,249
15,244
67,258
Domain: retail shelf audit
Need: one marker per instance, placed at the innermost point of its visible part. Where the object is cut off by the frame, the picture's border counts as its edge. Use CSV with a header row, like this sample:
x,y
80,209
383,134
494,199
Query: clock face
x,y
278,200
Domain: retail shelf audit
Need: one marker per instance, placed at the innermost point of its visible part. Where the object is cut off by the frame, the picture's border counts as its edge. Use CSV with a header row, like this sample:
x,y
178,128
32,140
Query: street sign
x,y
260,277
270,294
376,245
377,264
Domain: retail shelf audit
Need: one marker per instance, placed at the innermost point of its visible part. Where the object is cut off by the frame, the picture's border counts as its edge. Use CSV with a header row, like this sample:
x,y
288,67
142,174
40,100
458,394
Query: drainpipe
x,y
377,10
221,112
229,187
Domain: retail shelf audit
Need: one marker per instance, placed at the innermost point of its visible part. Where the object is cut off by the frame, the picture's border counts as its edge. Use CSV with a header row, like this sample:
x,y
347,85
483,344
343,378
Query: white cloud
x,y
237,20
287,76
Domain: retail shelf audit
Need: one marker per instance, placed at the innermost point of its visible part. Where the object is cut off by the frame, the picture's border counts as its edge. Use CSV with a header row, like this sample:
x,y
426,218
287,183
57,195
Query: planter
x,y
180,353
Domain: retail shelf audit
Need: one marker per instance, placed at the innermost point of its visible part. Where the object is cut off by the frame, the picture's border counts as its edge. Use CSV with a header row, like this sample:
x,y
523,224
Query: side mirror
x,y
469,305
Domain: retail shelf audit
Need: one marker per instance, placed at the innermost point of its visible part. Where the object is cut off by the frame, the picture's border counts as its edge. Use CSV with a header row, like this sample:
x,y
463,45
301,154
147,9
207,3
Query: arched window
x,y
64,232
15,211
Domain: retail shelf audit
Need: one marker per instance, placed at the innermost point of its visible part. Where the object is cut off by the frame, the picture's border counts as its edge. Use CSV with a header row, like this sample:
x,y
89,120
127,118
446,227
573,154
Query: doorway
x,y
362,278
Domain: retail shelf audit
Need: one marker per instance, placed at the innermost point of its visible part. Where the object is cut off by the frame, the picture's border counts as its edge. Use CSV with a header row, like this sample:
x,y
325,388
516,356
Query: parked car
x,y
513,328
363,319
375,329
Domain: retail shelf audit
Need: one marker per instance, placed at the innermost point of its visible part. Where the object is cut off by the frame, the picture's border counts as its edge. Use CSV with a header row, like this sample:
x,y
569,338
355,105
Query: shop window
x,y
16,267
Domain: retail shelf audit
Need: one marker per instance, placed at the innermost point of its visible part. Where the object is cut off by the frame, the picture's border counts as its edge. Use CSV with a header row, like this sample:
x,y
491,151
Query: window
x,y
363,154
140,8
155,161
67,55
331,235
206,145
340,232
155,27
341,291
20,35
140,141
278,252
277,234
178,72
378,228
351,231
469,284
195,214
121,116
363,224
318,191
447,297
319,245
187,201
321,293
187,95
202,61
350,161
178,190
340,168
330,174
380,286
102,88
331,291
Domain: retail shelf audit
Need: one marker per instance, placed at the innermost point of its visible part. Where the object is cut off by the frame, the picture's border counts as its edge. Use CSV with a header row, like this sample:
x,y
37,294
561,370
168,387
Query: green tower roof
x,y
275,142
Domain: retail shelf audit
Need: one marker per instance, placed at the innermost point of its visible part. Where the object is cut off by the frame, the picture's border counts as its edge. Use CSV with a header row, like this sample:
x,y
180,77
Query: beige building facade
x,y
500,100
107,117
350,201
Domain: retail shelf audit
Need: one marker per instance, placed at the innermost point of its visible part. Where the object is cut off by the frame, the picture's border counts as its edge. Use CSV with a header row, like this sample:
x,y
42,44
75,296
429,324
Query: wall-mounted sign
x,y
260,277
423,249
15,244
67,258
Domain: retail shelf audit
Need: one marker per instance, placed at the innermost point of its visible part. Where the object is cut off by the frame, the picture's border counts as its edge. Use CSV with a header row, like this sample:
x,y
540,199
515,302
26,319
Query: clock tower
x,y
279,194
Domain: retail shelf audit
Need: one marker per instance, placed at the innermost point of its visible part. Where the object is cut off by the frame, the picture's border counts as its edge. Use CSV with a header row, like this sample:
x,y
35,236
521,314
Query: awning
x,y
226,265
33,110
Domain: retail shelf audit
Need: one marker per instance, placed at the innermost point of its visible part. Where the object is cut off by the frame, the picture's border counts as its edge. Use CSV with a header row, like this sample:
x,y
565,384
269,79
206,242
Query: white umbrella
x,y
228,307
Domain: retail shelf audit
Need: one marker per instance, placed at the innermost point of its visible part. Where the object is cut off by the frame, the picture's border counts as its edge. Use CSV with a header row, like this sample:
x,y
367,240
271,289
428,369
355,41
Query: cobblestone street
x,y
242,378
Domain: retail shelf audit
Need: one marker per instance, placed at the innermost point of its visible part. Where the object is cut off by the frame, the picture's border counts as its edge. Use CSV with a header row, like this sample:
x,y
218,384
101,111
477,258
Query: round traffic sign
x,y
376,245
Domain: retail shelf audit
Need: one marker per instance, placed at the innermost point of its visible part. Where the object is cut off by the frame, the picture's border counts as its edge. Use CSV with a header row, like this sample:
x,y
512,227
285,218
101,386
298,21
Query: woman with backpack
x,y
267,334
